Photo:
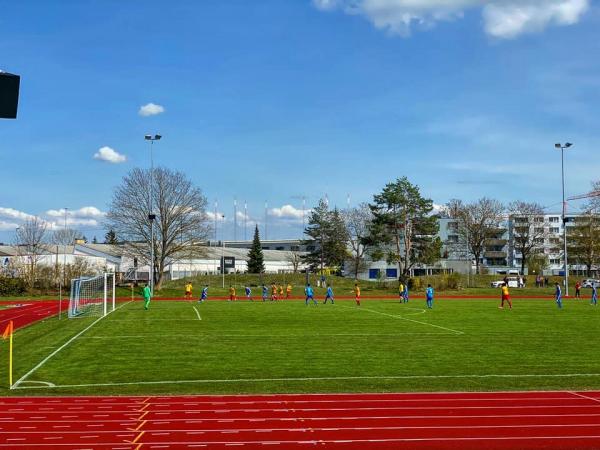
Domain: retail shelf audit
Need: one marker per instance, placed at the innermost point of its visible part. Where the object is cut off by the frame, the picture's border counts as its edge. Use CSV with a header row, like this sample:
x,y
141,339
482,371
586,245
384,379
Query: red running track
x,y
23,313
436,421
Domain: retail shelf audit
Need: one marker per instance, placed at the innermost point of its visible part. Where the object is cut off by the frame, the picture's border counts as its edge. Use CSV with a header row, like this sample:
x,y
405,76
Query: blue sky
x,y
275,99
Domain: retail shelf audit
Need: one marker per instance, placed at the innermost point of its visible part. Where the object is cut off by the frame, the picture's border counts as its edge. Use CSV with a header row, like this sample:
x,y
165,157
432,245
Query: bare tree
x,y
180,226
294,258
583,241
528,231
30,240
65,236
477,223
358,224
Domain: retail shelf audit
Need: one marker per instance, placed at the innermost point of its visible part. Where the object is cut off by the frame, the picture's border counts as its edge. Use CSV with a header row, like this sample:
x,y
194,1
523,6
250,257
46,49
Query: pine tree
x,y
110,237
255,255
94,240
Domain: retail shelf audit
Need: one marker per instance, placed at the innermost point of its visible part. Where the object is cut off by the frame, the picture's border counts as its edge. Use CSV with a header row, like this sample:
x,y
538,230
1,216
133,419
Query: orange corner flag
x,y
8,331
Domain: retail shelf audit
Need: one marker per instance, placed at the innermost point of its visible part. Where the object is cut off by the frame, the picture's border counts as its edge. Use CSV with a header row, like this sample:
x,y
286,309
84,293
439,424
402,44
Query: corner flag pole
x,y
8,333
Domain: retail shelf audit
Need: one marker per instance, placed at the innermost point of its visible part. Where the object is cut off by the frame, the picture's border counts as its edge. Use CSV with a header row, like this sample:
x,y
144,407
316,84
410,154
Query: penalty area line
x,y
268,380
403,318
197,313
66,344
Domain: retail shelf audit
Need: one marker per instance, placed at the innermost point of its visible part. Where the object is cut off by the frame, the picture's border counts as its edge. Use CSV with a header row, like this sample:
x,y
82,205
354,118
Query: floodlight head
x,y
157,137
148,137
558,146
568,144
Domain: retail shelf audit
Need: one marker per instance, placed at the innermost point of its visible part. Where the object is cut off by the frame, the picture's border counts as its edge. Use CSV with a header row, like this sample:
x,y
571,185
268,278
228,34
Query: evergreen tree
x,y
110,237
403,228
94,240
255,255
328,236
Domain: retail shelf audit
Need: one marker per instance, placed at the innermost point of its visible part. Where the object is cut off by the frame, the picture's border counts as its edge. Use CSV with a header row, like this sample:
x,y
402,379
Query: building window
x,y
391,273
295,248
279,248
554,219
554,230
538,219
555,261
539,230
373,274
310,248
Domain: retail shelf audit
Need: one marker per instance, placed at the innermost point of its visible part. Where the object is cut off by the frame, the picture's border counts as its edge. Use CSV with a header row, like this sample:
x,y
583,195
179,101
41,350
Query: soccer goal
x,y
92,296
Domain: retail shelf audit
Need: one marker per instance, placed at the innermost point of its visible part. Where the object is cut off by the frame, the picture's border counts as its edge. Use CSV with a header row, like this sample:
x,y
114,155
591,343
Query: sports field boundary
x,y
62,347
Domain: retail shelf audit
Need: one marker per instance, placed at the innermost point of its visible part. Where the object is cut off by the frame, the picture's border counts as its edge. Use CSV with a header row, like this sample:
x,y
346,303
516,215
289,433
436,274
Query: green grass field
x,y
243,347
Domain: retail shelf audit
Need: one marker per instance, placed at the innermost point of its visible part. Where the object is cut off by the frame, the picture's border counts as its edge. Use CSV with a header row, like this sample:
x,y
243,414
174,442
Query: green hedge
x,y
12,286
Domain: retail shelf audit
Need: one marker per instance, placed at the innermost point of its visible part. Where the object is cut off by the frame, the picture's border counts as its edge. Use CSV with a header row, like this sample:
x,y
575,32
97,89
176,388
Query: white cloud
x,y
510,19
84,212
109,155
220,216
288,212
502,18
8,226
14,214
151,109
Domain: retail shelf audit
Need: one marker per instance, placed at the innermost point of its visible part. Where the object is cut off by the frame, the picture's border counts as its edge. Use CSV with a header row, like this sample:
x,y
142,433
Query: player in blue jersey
x,y
310,294
558,296
429,296
265,293
248,293
204,294
594,295
405,294
329,295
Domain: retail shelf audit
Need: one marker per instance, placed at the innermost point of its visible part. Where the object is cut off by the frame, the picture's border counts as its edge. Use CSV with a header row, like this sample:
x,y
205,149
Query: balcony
x,y
496,242
495,255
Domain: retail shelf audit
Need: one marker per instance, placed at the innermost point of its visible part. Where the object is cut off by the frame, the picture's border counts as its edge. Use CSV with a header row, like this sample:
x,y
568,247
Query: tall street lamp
x,y
562,149
151,215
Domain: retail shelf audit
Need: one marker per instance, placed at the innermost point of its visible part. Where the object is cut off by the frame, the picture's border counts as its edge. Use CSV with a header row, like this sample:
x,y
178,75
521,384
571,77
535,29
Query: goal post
x,y
92,296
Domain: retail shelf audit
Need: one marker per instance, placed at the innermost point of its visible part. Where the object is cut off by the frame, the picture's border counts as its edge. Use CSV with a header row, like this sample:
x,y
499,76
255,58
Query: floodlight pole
x,y
564,210
223,258
151,215
64,268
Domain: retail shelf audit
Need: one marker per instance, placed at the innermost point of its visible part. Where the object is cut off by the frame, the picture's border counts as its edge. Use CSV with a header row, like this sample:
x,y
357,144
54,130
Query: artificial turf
x,y
273,347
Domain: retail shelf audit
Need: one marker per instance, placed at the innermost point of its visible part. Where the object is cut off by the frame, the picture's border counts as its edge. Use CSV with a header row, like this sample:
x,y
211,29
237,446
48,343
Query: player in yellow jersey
x,y
288,291
401,291
281,292
188,290
505,297
273,292
357,294
232,296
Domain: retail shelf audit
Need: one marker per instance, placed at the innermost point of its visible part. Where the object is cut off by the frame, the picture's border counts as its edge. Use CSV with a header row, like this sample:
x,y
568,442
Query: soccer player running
x,y
401,292
505,297
328,295
265,293
429,296
594,295
188,290
273,292
204,294
558,296
147,296
288,291
310,294
357,294
281,291
248,293
232,295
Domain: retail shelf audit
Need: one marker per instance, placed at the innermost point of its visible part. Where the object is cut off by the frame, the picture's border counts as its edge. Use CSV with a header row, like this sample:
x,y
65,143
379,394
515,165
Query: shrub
x,y
12,286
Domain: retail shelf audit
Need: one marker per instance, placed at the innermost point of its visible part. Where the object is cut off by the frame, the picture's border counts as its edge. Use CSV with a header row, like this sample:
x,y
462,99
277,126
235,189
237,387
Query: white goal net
x,y
92,296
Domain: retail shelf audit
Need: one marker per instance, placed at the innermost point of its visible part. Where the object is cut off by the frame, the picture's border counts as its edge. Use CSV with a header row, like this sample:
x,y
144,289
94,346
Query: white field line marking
x,y
197,313
402,318
262,380
45,360
205,335
584,396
